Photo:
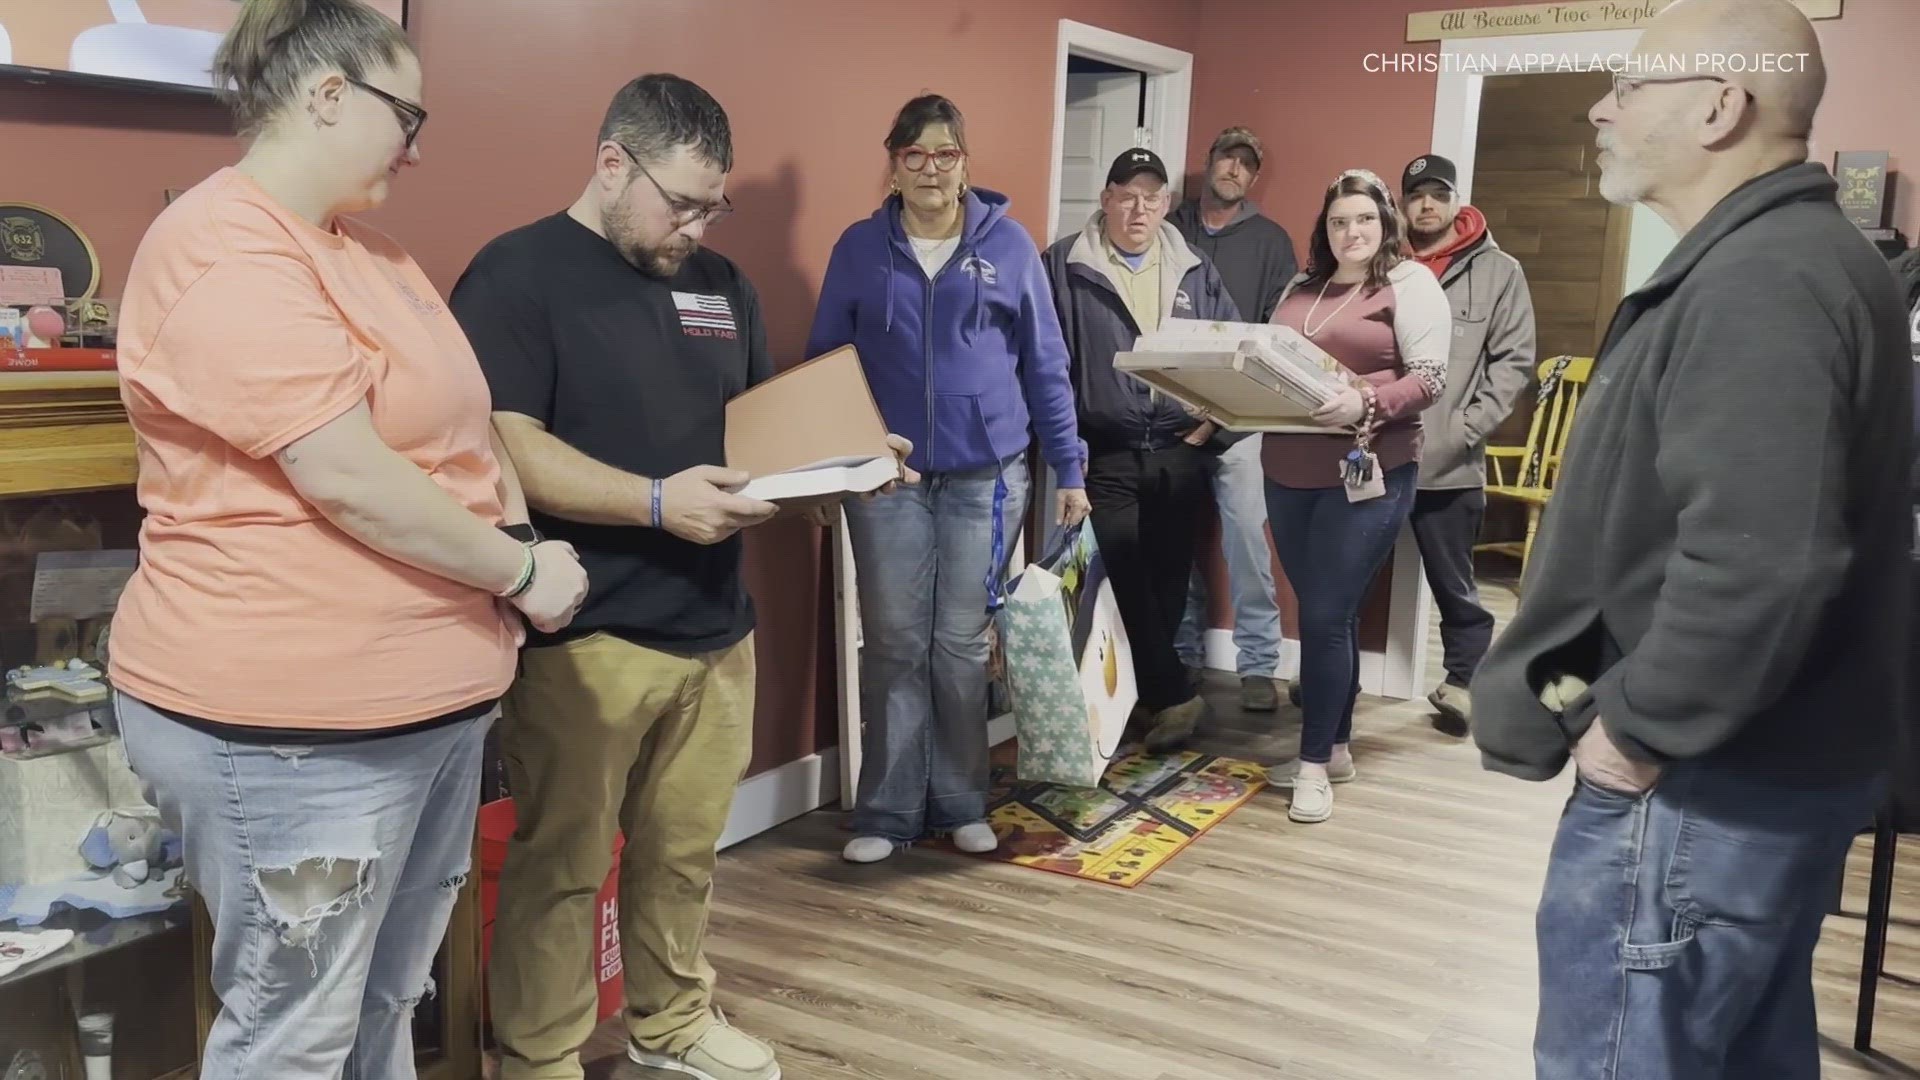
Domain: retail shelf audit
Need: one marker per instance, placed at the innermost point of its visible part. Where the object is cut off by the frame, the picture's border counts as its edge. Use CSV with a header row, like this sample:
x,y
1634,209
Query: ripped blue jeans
x,y
329,872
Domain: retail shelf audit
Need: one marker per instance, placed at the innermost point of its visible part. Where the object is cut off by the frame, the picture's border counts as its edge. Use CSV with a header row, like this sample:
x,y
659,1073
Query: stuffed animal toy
x,y
133,845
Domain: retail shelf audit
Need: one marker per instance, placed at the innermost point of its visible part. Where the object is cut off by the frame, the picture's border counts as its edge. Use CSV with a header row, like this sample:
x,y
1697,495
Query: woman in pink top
x,y
1336,502
308,658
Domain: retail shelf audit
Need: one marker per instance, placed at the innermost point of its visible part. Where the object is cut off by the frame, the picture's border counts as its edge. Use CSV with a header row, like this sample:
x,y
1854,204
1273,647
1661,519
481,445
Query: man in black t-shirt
x,y
613,342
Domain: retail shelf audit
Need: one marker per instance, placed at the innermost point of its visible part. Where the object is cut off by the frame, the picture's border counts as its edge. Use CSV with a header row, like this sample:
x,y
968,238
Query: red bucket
x,y
496,828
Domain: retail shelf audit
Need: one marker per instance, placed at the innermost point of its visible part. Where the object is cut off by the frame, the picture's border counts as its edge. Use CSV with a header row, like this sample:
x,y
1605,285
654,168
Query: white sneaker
x,y
975,839
868,849
1312,800
1281,775
724,1052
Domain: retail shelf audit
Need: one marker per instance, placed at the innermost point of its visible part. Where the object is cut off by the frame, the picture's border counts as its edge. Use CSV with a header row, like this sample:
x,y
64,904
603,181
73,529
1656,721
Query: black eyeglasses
x,y
683,210
1625,84
412,117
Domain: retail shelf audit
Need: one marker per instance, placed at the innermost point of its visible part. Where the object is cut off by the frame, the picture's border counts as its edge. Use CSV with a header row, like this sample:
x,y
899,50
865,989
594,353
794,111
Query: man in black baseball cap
x,y
1491,363
1430,167
1117,278
1134,162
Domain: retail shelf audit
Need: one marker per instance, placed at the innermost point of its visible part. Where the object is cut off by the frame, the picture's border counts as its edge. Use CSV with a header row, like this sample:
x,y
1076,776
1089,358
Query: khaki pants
x,y
600,734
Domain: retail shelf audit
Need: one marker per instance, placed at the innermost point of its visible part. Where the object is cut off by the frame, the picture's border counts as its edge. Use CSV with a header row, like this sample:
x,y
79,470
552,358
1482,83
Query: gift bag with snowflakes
x,y
1069,669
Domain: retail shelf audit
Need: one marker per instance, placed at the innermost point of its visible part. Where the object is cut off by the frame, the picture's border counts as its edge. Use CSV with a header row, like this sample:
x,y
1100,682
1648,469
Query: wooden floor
x,y
1393,941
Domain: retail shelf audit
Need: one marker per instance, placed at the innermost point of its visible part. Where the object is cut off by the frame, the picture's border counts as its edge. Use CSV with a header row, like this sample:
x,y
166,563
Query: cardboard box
x,y
811,432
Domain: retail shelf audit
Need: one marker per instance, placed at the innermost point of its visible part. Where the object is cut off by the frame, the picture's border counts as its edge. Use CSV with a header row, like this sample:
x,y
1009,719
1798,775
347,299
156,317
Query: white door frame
x,y
847,636
1464,65
1456,97
1169,99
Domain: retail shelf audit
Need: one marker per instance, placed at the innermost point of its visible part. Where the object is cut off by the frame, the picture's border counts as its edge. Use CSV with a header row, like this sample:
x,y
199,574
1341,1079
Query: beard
x,y
1227,194
1627,179
656,259
1421,238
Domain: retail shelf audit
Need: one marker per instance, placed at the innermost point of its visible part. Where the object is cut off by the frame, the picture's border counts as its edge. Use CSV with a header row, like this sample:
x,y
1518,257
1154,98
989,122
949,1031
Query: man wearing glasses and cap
x,y
1490,362
1255,258
1147,474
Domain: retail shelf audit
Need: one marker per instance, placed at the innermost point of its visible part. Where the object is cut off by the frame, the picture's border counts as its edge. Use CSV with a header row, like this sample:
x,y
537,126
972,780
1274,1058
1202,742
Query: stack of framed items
x,y
1242,376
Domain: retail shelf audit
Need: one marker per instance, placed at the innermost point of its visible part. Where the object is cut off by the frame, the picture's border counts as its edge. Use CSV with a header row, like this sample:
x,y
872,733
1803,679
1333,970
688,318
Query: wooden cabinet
x,y
67,466
63,432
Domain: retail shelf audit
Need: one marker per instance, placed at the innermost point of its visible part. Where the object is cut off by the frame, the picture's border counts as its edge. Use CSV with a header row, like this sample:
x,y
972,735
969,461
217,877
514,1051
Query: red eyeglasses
x,y
945,159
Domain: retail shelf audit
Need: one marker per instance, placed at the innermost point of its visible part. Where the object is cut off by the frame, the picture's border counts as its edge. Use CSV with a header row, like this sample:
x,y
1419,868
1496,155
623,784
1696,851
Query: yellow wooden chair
x,y
1526,474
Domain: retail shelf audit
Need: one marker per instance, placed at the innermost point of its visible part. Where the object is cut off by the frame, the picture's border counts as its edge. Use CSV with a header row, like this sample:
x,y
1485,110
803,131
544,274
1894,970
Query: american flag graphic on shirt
x,y
704,311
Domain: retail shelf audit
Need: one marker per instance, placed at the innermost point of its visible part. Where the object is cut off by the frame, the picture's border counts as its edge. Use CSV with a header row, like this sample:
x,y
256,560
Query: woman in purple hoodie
x,y
947,302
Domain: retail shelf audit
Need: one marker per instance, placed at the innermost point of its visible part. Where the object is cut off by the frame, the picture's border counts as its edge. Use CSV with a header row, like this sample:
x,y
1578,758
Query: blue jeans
x,y
922,555
1331,550
329,872
1239,492
1676,929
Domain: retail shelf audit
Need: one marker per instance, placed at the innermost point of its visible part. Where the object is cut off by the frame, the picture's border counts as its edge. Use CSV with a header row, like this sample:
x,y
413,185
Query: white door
x,y
1102,122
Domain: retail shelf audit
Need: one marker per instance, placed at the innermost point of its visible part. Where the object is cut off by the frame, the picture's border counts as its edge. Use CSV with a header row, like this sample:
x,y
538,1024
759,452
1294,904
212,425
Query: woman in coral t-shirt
x,y
1336,502
308,658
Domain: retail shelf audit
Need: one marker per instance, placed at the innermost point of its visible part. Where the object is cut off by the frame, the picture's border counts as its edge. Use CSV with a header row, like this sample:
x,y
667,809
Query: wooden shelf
x,y
63,431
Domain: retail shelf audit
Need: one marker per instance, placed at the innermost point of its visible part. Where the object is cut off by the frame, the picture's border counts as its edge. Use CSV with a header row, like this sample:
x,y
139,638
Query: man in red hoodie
x,y
1491,363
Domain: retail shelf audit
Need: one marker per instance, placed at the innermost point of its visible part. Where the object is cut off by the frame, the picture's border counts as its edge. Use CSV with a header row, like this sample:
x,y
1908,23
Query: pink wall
x,y
1293,72
516,89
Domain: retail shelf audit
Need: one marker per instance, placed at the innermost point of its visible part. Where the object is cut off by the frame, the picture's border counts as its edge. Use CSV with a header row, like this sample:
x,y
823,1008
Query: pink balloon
x,y
46,323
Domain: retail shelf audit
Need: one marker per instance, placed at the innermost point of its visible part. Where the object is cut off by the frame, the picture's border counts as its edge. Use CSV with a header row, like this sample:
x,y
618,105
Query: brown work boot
x,y
1258,694
1454,709
1174,726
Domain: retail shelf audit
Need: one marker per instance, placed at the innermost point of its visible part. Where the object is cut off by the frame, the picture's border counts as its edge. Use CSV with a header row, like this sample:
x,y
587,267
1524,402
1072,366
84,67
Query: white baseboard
x,y
780,794
1000,729
770,799
1223,656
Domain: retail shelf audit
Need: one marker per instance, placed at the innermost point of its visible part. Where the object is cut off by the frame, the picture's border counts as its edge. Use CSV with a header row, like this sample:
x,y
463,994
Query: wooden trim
x,y
1613,270
63,431
1561,17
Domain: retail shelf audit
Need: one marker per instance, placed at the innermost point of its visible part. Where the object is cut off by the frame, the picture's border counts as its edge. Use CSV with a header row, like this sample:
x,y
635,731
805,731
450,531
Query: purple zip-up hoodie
x,y
964,364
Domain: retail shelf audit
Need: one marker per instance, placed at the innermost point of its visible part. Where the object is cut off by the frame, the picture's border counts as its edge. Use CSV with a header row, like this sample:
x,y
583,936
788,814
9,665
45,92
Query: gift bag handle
x,y
1068,540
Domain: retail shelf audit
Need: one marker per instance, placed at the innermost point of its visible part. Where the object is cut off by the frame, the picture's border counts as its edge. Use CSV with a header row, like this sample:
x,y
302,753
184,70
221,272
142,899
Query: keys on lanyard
x,y
1359,467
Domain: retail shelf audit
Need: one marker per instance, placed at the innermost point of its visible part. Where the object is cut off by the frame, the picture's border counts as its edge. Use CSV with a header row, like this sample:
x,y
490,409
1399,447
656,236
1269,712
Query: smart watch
x,y
523,532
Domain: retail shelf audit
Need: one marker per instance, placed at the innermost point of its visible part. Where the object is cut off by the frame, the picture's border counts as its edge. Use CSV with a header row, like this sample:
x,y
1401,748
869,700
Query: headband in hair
x,y
1368,176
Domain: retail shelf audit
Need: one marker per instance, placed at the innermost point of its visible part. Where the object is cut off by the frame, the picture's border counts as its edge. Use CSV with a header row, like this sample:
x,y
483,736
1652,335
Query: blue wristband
x,y
657,485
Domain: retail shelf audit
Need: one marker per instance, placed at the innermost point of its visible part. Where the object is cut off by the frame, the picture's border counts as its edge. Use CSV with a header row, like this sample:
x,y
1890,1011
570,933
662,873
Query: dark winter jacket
x,y
1118,411
1253,254
1725,557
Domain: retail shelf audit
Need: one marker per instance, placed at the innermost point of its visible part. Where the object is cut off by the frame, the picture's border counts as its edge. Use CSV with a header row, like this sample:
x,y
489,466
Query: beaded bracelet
x,y
1363,435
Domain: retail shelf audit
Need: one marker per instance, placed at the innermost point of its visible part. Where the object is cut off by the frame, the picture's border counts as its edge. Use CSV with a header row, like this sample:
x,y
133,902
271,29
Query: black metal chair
x,y
1873,957
1900,814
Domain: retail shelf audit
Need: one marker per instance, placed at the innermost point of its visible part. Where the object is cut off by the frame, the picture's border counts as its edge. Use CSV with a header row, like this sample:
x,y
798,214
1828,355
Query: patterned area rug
x,y
1147,809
